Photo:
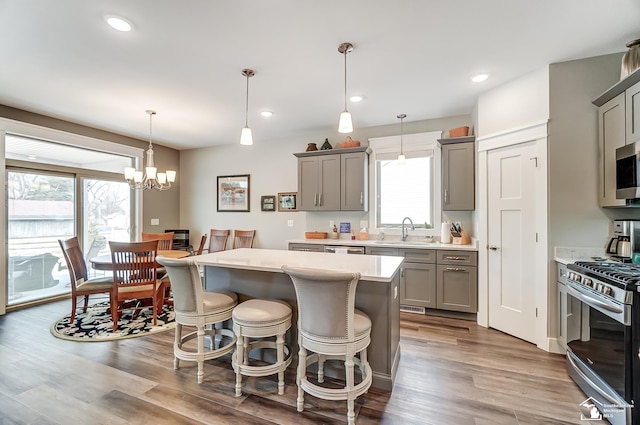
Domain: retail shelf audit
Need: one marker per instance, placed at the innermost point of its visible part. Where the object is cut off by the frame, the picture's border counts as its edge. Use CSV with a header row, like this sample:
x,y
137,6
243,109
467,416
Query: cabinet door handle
x,y
320,200
361,198
445,196
402,272
455,269
315,200
493,248
454,258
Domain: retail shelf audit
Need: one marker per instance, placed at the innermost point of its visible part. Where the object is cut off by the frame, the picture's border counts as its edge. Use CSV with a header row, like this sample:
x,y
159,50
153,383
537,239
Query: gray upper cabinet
x,y
333,181
458,174
632,98
319,183
611,136
618,124
353,181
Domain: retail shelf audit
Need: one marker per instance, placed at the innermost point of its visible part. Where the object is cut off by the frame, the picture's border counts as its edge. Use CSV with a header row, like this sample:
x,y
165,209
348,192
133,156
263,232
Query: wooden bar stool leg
x,y
351,415
177,342
239,360
321,360
280,357
302,371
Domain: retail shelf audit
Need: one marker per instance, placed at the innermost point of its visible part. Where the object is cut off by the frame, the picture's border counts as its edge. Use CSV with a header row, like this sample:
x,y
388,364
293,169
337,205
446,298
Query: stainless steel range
x,y
604,361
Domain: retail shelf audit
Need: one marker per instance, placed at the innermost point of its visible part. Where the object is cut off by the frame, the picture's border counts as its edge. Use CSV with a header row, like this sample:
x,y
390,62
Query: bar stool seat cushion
x,y
361,324
219,300
261,312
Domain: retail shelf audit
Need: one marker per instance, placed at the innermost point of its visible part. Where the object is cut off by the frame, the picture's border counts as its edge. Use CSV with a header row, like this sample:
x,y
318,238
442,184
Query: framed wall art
x,y
233,193
268,203
288,201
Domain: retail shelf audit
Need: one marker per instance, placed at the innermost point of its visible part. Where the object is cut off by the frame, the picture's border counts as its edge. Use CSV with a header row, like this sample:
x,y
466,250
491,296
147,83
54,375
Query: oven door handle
x,y
582,296
600,391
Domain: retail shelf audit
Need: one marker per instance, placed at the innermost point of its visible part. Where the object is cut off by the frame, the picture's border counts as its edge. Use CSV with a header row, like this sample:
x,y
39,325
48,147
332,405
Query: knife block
x,y
464,239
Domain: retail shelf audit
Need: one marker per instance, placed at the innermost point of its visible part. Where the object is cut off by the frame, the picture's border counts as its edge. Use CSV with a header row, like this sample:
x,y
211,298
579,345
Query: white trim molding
x,y
527,133
538,133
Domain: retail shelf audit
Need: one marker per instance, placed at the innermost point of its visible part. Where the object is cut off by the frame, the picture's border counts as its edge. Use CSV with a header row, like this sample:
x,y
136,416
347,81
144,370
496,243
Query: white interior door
x,y
512,239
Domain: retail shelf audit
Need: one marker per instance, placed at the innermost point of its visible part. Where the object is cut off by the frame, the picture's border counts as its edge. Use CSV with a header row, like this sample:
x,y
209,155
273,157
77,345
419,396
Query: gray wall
x,y
273,169
575,219
161,205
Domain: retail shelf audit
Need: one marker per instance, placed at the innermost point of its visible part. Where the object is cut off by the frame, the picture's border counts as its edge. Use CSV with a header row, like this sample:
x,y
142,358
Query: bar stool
x,y
259,318
206,311
331,328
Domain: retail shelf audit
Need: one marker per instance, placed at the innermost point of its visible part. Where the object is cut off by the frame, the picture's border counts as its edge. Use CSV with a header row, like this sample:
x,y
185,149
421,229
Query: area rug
x,y
96,324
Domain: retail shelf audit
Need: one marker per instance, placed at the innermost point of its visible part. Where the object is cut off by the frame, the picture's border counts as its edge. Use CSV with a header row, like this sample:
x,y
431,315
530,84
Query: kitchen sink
x,y
383,242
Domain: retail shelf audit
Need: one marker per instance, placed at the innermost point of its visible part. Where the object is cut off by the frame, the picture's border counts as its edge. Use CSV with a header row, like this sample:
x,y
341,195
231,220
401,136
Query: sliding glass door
x,y
106,216
40,210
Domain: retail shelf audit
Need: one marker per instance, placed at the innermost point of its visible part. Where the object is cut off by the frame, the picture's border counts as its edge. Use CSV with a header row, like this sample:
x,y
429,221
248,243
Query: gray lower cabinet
x,y
457,280
418,284
429,278
457,288
306,247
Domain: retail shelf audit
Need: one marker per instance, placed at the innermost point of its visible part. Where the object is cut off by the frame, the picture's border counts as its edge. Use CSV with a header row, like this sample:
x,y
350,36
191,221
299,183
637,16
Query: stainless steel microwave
x,y
628,171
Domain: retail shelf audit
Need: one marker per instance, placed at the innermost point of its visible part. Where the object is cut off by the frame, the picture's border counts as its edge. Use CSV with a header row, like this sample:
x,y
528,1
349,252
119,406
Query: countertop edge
x,y
391,244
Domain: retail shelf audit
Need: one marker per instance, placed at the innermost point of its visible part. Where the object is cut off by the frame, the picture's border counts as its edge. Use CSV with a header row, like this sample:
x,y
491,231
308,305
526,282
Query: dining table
x,y
103,262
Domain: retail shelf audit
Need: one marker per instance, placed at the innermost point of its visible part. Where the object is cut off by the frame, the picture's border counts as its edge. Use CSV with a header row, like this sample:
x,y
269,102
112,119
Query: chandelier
x,y
150,178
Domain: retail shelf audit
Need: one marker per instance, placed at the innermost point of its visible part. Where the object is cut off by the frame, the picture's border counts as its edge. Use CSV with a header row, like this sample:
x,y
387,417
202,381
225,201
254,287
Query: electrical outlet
x,y
290,223
155,221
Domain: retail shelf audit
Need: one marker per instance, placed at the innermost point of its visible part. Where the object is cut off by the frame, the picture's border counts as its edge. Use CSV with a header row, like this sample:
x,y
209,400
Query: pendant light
x,y
345,125
150,178
245,137
401,158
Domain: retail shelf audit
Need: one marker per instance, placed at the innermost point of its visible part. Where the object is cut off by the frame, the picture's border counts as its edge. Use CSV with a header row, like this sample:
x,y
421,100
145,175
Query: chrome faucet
x,y
405,232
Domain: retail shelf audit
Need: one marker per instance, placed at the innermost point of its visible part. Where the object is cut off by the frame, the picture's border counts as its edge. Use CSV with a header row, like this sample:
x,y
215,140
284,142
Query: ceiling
x,y
184,60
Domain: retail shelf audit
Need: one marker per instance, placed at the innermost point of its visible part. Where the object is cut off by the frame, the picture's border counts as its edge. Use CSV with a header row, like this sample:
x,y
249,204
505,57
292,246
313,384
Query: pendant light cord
x,y
345,80
246,110
402,117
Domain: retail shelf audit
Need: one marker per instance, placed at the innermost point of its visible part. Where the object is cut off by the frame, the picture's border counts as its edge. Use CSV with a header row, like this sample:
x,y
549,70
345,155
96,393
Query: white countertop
x,y
568,255
389,243
371,267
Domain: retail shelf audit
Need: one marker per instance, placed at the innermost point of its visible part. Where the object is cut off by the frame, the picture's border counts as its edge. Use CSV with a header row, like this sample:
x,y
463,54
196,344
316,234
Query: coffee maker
x,y
625,241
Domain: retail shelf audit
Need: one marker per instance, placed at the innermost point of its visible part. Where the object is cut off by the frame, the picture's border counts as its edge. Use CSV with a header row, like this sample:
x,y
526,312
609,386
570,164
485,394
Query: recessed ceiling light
x,y
479,78
266,114
118,23
355,99
32,157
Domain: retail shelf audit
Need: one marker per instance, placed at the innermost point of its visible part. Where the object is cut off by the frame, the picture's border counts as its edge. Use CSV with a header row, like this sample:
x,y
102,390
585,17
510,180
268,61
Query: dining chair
x,y
203,241
332,328
135,277
165,240
81,285
243,238
218,240
201,309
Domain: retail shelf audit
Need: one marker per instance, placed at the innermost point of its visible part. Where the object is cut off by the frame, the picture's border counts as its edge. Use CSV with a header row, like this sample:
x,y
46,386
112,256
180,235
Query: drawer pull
x,y
455,269
455,258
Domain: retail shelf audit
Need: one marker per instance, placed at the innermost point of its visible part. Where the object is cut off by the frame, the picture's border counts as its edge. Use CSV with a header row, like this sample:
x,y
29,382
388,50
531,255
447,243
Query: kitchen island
x,y
256,273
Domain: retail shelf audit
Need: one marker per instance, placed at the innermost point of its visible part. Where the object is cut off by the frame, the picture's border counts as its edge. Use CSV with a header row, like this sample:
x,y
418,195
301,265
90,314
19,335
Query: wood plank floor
x,y
451,372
